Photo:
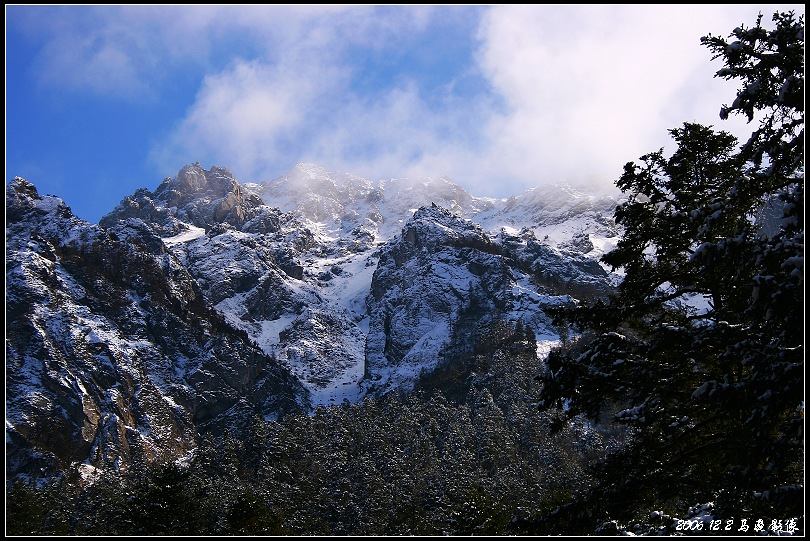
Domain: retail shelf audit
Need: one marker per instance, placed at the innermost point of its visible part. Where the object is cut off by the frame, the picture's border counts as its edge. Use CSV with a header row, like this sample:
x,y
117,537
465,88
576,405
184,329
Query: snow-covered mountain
x,y
443,279
369,211
559,215
112,350
357,212
224,300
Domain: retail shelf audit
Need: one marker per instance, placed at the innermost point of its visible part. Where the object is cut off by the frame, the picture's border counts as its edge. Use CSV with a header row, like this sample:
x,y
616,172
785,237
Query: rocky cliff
x,y
112,350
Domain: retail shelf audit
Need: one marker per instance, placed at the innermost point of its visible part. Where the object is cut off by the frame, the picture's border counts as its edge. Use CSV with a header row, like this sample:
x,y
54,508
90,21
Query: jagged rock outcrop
x,y
112,351
202,198
259,268
560,271
443,280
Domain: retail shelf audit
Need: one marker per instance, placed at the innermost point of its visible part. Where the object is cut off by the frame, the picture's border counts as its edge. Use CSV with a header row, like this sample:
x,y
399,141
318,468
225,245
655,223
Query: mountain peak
x,y
193,178
21,185
195,196
310,169
22,196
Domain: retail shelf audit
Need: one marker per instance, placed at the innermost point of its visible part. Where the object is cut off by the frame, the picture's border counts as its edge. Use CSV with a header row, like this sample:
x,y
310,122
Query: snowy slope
x,y
444,279
558,215
292,261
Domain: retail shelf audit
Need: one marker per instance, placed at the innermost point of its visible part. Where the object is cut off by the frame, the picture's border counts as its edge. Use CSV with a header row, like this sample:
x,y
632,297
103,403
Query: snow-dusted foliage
x,y
480,461
700,351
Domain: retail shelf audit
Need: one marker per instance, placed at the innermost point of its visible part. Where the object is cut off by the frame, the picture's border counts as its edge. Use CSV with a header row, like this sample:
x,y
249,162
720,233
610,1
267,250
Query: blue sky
x,y
103,100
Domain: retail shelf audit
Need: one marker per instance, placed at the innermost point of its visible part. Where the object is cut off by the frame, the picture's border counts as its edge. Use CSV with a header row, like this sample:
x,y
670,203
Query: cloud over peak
x,y
499,99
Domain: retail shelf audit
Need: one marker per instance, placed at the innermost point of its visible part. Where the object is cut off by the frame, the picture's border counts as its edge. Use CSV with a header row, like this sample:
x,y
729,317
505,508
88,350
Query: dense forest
x,y
481,461
655,408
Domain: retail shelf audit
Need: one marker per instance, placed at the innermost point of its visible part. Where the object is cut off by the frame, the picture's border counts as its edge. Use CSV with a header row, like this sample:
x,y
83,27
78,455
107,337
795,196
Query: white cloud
x,y
573,92
582,90
128,52
589,88
296,103
246,116
259,119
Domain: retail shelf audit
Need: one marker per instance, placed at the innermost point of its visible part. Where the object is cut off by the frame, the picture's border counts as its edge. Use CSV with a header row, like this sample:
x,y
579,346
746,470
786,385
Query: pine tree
x,y
531,339
700,351
518,332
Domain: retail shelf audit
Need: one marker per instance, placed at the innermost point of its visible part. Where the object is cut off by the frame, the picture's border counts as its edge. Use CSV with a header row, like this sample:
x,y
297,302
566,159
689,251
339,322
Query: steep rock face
x,y
294,271
227,262
112,351
261,269
285,312
195,196
560,271
295,278
425,280
442,281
